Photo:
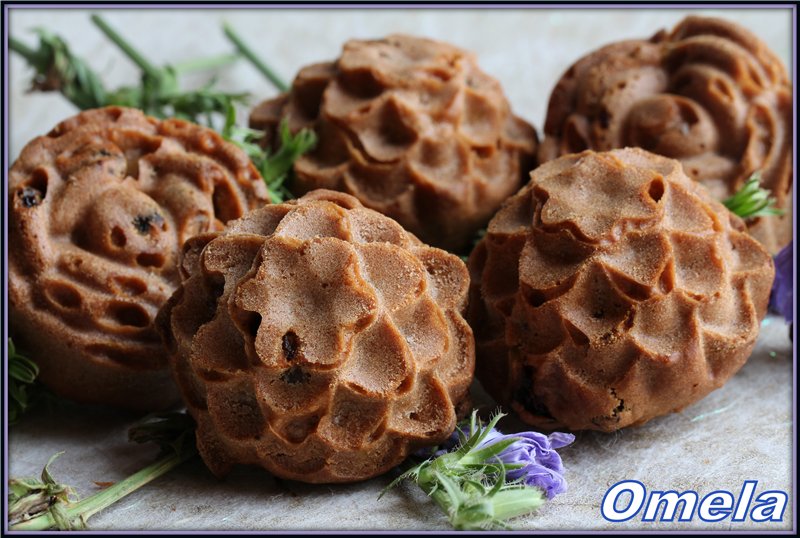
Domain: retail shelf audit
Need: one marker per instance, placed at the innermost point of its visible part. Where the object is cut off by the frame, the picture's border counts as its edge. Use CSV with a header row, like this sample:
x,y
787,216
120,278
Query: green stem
x,y
203,64
83,510
22,49
441,498
513,503
248,53
126,47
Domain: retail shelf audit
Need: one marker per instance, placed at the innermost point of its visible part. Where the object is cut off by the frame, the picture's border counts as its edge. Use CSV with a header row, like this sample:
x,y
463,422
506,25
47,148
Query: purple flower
x,y
783,287
541,464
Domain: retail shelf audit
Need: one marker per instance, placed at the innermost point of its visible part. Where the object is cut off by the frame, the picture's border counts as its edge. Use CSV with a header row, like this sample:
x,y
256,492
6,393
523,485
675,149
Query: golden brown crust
x,y
98,210
413,129
320,340
613,289
709,93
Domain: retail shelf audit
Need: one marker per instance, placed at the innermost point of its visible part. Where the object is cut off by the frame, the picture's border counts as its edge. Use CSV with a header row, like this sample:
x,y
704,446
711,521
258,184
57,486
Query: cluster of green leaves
x,y
274,167
158,94
469,484
22,373
751,200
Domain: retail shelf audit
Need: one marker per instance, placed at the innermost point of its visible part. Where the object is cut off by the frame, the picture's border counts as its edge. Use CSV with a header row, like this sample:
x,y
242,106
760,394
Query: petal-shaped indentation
x,y
442,162
456,366
746,255
395,273
368,459
294,390
352,419
500,276
549,260
317,220
232,257
599,213
425,330
237,412
368,226
261,221
640,257
375,184
298,461
666,327
515,216
683,212
480,119
722,354
448,278
341,199
542,330
594,305
380,361
671,125
217,347
296,428
730,314
388,132
699,269
424,413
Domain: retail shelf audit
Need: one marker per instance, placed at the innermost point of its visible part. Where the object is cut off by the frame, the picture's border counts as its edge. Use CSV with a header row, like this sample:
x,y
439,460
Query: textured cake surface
x,y
98,211
320,340
709,93
412,128
613,289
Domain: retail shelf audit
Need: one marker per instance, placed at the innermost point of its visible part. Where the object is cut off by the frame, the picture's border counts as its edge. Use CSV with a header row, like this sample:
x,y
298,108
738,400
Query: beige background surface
x,y
740,432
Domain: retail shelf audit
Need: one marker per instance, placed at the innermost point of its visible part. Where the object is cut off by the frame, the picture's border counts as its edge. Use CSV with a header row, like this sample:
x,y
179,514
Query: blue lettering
x,y
716,506
670,500
608,509
769,511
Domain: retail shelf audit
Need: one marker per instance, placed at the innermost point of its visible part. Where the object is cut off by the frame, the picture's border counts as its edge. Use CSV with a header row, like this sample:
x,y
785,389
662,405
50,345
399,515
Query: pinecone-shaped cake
x,y
98,211
320,340
709,93
413,129
613,289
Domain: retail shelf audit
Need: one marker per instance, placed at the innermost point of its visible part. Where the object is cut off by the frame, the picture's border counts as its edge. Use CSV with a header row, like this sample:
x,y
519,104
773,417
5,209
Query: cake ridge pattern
x,y
613,289
320,340
709,93
99,208
411,127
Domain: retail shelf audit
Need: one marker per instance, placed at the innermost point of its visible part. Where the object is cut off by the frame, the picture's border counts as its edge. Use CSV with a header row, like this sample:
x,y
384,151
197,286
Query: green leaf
x,y
276,168
22,373
751,200
158,93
